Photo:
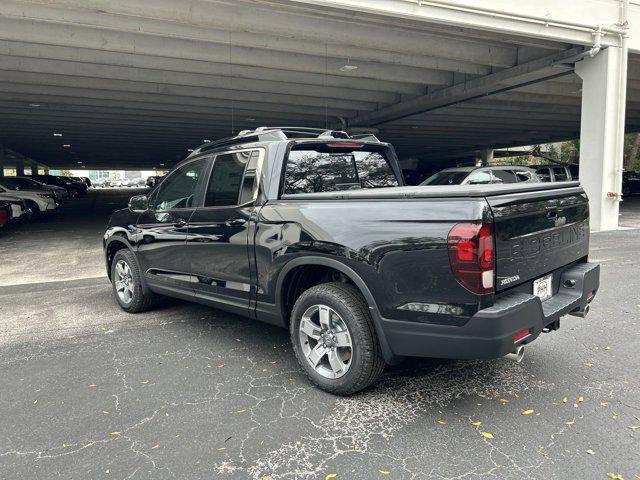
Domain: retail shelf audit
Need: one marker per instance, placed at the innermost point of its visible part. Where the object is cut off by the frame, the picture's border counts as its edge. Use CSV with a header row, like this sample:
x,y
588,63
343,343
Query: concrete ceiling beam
x,y
460,92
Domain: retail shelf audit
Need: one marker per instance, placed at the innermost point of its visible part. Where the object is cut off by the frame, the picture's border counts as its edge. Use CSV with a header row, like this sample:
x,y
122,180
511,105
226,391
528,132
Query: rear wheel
x,y
334,339
33,206
127,283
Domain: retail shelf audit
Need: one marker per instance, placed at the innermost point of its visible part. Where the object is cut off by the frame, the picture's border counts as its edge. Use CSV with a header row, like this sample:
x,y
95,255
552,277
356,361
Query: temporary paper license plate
x,y
542,287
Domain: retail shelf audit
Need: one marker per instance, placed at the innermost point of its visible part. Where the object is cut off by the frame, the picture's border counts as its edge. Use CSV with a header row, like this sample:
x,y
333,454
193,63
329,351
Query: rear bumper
x,y
490,332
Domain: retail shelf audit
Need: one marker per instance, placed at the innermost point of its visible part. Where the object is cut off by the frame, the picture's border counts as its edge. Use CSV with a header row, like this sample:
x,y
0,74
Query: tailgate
x,y
538,232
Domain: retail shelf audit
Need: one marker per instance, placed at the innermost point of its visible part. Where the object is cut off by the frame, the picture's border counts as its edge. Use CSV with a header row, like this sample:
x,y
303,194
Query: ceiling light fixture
x,y
206,141
189,149
57,134
348,68
34,105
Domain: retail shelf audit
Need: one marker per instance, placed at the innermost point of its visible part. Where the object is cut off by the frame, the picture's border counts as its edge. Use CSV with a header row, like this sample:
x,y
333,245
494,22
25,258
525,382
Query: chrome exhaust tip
x,y
516,355
581,312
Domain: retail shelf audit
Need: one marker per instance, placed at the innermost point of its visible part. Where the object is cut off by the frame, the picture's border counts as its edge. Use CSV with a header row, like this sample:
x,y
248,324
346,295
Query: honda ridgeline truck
x,y
314,231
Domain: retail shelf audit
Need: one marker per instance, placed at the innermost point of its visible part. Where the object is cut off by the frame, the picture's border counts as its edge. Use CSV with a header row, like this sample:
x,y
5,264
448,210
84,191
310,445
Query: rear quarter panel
x,y
398,248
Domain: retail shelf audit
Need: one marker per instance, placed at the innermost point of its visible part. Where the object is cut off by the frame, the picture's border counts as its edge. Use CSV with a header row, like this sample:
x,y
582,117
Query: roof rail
x,y
262,134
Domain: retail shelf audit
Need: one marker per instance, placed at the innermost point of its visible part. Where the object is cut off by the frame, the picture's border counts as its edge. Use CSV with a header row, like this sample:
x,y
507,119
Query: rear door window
x,y
560,174
544,174
523,176
504,176
226,179
326,168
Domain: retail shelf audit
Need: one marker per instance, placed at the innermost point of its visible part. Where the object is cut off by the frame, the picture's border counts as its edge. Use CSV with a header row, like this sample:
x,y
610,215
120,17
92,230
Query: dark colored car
x,y
630,183
482,176
75,189
153,180
315,231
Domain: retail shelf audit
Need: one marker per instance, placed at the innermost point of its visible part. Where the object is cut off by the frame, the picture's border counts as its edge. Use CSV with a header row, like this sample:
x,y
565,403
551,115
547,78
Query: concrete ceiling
x,y
133,84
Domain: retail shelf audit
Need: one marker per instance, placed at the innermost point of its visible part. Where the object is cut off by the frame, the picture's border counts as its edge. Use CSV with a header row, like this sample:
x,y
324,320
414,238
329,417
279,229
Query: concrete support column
x,y
34,168
602,134
19,167
486,156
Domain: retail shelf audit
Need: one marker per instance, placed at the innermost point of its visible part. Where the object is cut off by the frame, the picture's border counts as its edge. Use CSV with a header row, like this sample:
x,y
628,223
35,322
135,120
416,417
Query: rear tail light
x,y
472,256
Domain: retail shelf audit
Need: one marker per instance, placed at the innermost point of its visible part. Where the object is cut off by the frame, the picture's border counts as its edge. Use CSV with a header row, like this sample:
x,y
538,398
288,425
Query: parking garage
x,y
133,85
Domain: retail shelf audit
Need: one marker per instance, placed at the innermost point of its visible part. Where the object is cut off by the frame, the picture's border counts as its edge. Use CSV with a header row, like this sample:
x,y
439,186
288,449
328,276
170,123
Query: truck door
x,y
162,229
218,238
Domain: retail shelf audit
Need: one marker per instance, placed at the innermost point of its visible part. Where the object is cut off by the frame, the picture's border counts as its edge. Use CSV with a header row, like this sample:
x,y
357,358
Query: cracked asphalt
x,y
184,391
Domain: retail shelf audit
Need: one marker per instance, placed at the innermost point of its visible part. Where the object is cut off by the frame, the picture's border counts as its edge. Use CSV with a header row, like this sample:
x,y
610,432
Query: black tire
x,y
367,362
33,206
139,301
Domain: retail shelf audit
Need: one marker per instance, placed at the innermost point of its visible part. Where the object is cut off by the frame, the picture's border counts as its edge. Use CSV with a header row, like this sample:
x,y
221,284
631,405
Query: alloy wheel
x,y
325,341
124,281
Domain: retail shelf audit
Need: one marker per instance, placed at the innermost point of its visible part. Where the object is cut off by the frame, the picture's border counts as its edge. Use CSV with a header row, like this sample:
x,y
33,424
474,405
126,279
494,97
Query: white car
x,y
37,201
19,209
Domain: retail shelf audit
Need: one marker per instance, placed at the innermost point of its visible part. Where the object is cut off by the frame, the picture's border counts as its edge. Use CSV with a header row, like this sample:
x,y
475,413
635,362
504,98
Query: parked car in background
x,y
101,183
315,231
37,201
71,187
77,182
26,183
630,183
482,176
19,209
152,180
86,180
555,173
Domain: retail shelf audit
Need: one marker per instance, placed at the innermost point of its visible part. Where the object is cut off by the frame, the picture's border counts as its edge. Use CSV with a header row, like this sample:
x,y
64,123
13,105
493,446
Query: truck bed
x,y
435,191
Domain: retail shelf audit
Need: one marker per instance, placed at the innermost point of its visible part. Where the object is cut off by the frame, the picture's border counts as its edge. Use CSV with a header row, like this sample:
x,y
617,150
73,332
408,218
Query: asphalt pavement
x,y
188,392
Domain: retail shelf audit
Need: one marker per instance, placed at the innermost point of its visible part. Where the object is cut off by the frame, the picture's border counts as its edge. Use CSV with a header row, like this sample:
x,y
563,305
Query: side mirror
x,y
139,203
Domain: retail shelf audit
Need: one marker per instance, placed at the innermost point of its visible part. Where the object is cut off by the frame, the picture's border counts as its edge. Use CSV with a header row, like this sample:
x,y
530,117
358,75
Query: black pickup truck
x,y
315,231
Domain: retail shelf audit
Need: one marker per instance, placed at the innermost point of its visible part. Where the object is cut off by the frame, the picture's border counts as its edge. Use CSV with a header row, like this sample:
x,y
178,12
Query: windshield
x,y
330,168
18,184
451,177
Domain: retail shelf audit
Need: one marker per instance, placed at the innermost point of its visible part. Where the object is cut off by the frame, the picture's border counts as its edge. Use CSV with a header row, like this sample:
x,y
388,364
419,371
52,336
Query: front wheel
x,y
334,338
127,283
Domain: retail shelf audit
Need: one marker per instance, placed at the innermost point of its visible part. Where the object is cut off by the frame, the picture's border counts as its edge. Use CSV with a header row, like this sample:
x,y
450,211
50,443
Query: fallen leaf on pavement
x,y
476,424
384,472
591,452
486,435
527,412
441,422
331,475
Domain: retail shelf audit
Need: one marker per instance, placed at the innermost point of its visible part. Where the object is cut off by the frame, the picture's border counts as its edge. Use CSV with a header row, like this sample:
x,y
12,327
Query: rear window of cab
x,y
314,168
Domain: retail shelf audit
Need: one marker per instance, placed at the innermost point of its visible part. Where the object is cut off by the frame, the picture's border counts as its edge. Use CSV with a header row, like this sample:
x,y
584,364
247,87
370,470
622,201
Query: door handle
x,y
181,222
235,222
